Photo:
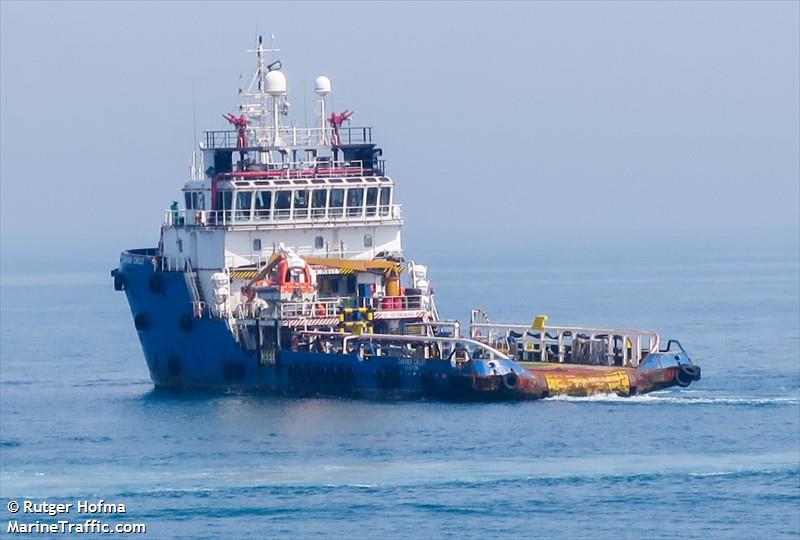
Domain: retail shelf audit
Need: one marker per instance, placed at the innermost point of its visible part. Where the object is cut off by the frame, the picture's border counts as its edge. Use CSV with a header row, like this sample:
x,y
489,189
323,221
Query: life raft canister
x,y
285,284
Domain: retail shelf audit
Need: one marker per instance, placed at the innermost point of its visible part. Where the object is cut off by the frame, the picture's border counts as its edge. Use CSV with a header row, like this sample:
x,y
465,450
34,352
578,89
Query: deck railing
x,y
299,169
576,344
450,348
297,216
289,135
309,310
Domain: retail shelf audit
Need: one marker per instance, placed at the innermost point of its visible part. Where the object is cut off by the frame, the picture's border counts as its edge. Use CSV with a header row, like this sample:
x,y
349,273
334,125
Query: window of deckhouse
x,y
355,201
336,202
386,197
224,203
283,202
189,204
263,202
372,200
319,200
301,204
244,200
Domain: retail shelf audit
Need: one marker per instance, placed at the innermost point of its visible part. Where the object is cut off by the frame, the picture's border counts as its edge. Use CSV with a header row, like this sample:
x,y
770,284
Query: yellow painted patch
x,y
243,274
615,382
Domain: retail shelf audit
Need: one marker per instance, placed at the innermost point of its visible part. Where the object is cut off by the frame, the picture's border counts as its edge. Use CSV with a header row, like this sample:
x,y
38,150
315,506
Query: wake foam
x,y
682,399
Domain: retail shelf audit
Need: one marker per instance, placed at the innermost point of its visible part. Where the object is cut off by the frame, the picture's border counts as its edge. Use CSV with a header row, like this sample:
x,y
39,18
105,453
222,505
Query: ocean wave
x,y
682,399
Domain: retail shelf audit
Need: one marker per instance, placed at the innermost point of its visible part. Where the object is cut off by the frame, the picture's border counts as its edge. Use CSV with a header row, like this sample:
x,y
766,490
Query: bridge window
x,y
224,204
355,201
319,242
244,200
189,204
262,204
319,200
301,203
283,202
372,200
336,202
386,197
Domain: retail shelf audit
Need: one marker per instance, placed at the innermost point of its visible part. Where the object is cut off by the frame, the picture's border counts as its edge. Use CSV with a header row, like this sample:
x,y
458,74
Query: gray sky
x,y
657,118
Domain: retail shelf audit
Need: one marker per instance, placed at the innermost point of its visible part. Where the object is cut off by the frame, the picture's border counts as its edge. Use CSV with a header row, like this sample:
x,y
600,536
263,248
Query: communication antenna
x,y
194,169
264,96
322,87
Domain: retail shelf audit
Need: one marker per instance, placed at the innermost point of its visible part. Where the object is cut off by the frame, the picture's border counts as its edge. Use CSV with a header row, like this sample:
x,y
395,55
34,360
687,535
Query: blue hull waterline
x,y
203,355
282,270
188,353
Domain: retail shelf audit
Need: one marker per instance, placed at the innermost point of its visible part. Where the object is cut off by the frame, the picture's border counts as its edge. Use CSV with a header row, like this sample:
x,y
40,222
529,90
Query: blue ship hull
x,y
203,354
185,352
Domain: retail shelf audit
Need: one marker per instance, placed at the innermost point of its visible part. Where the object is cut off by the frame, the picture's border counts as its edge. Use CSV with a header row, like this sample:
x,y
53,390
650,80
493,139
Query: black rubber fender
x,y
120,282
511,380
156,284
686,374
186,322
141,322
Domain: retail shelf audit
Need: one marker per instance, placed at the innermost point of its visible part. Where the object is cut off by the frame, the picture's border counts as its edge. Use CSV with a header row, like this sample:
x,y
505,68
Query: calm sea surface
x,y
79,418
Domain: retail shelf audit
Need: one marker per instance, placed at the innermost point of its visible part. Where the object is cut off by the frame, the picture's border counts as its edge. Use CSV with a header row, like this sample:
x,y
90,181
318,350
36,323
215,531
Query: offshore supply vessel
x,y
282,270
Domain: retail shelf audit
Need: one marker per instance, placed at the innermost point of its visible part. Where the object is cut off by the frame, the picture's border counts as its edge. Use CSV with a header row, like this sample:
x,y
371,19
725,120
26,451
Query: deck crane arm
x,y
389,269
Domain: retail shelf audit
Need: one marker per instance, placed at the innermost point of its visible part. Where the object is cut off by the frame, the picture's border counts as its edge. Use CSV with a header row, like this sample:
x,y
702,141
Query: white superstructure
x,y
321,191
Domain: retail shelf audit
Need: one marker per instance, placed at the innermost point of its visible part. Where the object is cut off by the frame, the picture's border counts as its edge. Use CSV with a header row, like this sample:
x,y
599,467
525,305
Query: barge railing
x,y
571,344
449,346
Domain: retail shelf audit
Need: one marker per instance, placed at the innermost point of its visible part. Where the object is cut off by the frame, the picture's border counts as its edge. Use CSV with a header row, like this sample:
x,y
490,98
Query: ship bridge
x,y
286,202
262,182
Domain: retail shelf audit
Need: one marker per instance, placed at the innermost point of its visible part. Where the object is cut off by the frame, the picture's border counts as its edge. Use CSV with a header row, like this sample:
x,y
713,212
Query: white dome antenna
x,y
275,83
322,87
275,86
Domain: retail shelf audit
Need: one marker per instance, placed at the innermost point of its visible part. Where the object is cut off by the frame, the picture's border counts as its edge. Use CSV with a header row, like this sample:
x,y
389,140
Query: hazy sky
x,y
517,118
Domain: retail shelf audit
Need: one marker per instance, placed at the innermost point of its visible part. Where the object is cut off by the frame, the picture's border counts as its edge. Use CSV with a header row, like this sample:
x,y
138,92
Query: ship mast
x,y
264,99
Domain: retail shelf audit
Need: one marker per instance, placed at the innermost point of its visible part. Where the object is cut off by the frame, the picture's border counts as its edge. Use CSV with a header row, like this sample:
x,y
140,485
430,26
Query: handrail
x,y
297,216
563,339
330,308
299,169
290,135
583,329
411,339
395,303
669,346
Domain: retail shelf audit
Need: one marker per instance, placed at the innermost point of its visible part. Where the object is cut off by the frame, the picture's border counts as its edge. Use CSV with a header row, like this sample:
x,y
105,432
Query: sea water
x,y
80,421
